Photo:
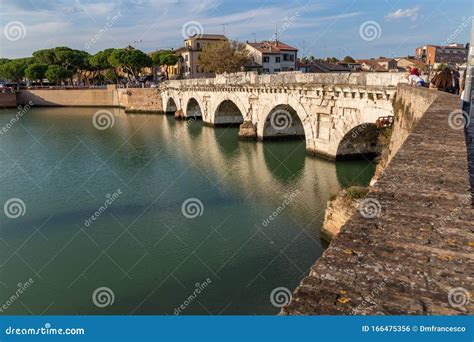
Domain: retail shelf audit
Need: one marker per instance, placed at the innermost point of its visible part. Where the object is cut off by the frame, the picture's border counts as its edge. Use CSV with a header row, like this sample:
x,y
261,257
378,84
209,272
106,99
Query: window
x,y
277,70
198,46
186,58
292,58
277,59
286,57
266,70
266,59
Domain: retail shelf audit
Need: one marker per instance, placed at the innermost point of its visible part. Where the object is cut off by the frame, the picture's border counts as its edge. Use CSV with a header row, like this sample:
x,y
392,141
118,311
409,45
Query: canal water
x,y
155,216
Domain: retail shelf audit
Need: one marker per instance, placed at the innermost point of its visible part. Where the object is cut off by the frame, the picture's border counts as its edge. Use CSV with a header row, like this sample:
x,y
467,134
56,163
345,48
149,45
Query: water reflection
x,y
158,163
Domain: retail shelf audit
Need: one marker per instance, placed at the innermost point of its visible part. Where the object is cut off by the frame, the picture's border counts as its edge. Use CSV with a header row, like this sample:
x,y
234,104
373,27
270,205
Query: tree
x,y
225,56
14,70
349,59
164,58
36,71
332,60
100,61
57,73
132,61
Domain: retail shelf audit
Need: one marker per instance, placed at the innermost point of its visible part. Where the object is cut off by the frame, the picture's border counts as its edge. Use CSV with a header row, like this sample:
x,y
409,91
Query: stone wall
x,y
8,100
67,97
409,106
413,246
139,99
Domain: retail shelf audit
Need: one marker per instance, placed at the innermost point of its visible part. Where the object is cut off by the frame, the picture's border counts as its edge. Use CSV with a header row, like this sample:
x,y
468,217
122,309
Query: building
x,y
405,62
354,67
188,64
321,67
378,65
434,55
273,56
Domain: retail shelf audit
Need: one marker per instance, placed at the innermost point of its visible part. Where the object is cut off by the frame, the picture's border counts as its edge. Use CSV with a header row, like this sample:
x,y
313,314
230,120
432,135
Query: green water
x,y
141,246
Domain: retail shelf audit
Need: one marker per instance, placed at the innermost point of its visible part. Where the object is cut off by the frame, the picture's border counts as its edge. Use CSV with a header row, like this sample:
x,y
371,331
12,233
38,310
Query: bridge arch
x,y
229,111
193,109
291,111
170,105
361,140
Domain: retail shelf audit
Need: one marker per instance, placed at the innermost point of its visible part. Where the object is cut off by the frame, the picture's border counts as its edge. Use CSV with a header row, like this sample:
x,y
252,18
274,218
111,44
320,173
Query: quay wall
x,y
8,100
66,97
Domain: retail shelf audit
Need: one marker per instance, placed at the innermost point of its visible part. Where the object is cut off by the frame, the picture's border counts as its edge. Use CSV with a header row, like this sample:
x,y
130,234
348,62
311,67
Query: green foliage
x,y
57,73
101,59
130,60
356,192
14,70
349,59
36,71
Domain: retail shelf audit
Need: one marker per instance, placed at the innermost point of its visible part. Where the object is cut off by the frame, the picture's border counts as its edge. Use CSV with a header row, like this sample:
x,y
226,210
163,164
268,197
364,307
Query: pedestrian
x,y
443,80
456,81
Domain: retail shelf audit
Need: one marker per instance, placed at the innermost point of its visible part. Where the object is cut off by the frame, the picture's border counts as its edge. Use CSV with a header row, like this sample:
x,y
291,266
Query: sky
x,y
322,28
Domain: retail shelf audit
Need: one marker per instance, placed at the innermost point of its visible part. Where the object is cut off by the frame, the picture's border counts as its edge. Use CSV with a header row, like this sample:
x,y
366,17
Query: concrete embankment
x,y
8,100
132,99
411,249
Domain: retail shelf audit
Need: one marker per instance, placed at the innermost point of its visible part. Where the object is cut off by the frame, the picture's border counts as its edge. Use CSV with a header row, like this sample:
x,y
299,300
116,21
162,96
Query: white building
x,y
273,56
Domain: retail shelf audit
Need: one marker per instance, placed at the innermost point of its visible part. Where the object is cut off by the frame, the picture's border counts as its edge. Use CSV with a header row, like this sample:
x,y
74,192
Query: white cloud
x,y
411,13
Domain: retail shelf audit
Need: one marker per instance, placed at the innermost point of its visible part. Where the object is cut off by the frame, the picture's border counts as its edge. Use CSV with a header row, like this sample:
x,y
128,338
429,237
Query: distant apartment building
x,y
188,64
433,55
273,56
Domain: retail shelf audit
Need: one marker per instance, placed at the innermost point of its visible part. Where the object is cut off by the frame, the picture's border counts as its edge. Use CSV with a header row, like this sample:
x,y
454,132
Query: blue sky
x,y
317,27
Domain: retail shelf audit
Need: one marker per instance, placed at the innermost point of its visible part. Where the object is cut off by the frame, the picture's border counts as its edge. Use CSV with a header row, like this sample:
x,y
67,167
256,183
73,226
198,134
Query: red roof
x,y
272,47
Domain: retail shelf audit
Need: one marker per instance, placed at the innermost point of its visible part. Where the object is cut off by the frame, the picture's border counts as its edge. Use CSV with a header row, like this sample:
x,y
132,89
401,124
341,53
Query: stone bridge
x,y
335,113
